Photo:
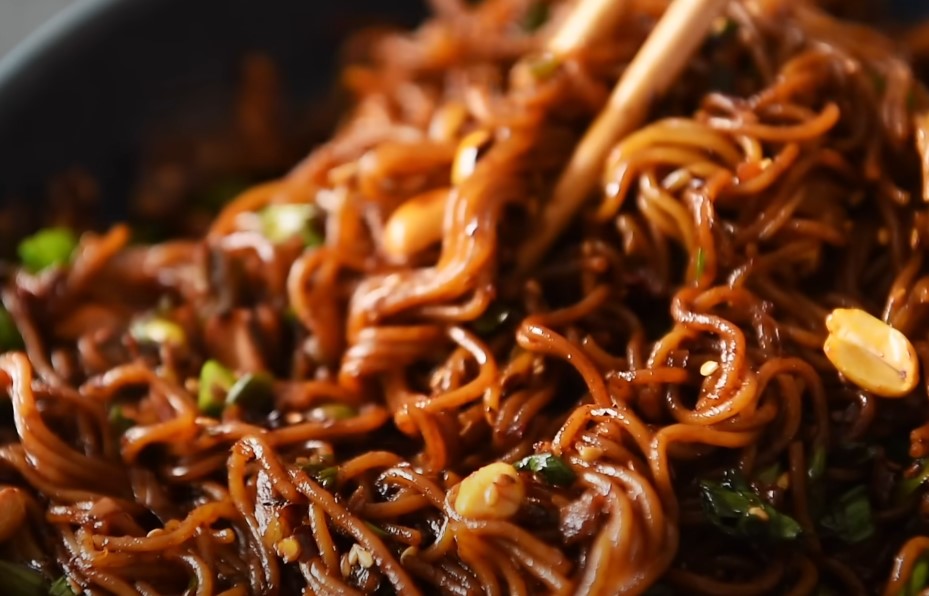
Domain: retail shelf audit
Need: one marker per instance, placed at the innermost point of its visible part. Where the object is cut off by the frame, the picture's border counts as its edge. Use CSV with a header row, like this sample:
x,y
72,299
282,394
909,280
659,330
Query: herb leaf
x,y
330,412
47,248
551,468
536,16
215,382
119,422
158,330
10,339
817,467
919,578
252,392
21,580
699,263
496,316
850,518
907,487
734,508
280,223
322,472
61,587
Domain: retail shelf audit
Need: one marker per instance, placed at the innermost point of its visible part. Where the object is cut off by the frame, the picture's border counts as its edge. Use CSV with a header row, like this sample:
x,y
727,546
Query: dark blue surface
x,y
87,87
905,10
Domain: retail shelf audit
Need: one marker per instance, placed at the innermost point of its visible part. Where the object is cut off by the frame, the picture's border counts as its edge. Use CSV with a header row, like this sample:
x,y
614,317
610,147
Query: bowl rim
x,y
26,62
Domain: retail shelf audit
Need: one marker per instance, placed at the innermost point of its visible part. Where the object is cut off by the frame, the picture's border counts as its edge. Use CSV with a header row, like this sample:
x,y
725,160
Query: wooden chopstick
x,y
658,63
585,23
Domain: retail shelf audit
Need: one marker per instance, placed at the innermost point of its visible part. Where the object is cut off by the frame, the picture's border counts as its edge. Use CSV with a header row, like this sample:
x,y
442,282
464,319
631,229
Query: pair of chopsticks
x,y
658,63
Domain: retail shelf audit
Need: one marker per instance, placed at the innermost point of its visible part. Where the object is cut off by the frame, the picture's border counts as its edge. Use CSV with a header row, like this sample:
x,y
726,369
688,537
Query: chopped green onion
x,y
10,339
215,382
919,578
536,16
496,315
769,475
544,67
817,467
333,412
20,580
157,330
907,487
699,263
551,468
377,530
724,28
252,392
850,518
325,474
47,248
61,587
119,422
280,223
736,510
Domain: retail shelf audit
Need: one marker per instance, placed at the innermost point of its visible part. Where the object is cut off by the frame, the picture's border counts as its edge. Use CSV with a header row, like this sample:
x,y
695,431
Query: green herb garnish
x,y
215,382
536,16
908,486
119,422
699,263
551,468
252,392
769,475
377,530
850,518
20,580
817,468
280,223
544,67
734,508
10,339
157,330
495,317
325,474
333,412
51,247
919,578
61,587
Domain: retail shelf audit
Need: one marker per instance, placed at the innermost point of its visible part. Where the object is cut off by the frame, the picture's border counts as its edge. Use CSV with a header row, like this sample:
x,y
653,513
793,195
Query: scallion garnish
x,y
735,509
51,247
850,517
550,467
215,382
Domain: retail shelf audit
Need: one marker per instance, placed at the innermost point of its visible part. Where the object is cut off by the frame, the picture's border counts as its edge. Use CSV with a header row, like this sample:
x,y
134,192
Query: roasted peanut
x,y
870,353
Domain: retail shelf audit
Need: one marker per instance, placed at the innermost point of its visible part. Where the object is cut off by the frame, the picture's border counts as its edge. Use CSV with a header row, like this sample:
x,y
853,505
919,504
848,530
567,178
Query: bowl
x,y
91,86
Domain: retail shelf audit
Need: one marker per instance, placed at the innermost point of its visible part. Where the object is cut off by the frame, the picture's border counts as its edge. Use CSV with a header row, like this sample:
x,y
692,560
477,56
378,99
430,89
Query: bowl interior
x,y
89,88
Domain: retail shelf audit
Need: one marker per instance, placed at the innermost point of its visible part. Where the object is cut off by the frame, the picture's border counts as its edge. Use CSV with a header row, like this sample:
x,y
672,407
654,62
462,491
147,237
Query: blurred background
x,y
18,18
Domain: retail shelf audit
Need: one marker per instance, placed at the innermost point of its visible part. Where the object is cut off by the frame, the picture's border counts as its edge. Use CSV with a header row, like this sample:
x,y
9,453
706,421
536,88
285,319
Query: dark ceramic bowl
x,y
89,86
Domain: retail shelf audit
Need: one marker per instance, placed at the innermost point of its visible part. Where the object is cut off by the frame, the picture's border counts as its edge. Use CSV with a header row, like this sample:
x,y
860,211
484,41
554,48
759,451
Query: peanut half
x,y
495,491
870,353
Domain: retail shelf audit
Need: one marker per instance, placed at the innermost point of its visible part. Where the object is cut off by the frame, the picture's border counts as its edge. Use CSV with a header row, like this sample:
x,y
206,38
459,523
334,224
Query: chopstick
x,y
660,60
585,23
